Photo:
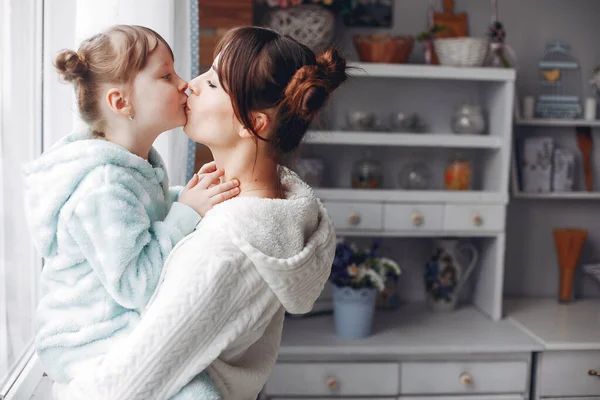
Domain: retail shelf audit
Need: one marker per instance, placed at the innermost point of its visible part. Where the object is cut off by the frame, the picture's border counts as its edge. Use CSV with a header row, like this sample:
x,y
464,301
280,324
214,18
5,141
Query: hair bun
x,y
333,67
70,66
311,85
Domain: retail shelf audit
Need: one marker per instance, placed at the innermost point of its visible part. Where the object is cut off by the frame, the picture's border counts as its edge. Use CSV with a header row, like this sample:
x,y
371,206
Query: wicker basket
x,y
383,48
309,24
461,52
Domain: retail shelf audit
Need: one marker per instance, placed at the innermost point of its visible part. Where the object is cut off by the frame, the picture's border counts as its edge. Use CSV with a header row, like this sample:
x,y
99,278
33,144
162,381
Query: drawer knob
x,y
354,218
418,219
593,372
332,383
465,378
477,220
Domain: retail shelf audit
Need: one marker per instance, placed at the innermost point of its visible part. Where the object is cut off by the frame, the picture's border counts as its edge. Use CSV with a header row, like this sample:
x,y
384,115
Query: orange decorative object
x,y
584,142
568,243
383,48
458,175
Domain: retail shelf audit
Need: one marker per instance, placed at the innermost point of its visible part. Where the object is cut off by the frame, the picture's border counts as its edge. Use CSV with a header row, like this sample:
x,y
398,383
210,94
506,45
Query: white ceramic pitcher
x,y
445,275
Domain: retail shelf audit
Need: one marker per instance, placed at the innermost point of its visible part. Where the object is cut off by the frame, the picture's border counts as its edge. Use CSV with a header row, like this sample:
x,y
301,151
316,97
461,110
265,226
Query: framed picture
x,y
373,13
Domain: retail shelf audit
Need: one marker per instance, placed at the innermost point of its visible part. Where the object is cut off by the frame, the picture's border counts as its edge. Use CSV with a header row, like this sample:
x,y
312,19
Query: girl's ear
x,y
118,103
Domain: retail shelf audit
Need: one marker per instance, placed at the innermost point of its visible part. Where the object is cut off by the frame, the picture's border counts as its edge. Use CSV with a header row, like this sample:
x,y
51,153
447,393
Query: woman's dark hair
x,y
261,69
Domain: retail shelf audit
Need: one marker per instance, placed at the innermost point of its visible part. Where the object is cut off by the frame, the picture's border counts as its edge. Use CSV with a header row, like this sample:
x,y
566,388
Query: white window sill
x,y
28,381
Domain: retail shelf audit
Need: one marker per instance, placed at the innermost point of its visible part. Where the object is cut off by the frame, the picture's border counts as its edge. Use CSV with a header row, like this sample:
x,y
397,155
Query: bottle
x,y
367,173
458,173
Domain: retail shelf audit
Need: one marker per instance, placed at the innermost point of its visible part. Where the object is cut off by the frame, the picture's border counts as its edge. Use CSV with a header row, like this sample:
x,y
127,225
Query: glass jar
x,y
458,174
415,176
468,119
367,173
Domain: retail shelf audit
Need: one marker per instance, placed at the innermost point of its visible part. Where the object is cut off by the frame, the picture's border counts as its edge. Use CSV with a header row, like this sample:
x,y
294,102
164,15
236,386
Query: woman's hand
x,y
205,189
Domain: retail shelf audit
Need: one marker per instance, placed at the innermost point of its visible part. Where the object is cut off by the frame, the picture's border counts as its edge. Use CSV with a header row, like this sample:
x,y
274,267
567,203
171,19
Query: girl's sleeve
x,y
174,192
126,249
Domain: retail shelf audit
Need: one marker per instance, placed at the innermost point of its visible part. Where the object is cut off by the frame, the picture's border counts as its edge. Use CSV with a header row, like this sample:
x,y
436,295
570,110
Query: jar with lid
x,y
458,174
367,173
468,119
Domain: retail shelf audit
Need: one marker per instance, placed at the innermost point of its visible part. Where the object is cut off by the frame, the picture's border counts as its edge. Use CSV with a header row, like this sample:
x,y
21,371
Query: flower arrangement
x,y
427,38
361,268
430,33
497,35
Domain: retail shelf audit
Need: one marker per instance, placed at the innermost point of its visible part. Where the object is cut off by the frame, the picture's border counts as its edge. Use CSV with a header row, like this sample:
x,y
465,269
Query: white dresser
x,y
569,366
412,355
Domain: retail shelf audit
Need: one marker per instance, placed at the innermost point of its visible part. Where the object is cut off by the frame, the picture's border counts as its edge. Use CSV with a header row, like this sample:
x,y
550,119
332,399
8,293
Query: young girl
x,y
98,203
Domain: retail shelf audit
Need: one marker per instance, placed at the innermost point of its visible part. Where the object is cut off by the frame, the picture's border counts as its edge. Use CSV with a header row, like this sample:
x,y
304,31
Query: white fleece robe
x,y
221,301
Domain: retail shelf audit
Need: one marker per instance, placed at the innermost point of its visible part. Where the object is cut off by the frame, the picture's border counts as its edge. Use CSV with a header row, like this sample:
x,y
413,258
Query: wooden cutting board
x,y
456,25
215,18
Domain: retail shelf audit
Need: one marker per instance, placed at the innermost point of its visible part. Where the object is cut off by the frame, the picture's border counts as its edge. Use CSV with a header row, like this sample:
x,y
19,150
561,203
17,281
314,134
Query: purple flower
x,y
343,256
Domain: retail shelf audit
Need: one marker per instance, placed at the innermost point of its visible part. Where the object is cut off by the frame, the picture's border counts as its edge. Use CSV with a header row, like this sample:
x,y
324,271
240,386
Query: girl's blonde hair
x,y
114,56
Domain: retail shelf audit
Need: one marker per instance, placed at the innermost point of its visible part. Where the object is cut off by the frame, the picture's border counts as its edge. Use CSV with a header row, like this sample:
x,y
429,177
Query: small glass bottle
x,y
458,174
367,173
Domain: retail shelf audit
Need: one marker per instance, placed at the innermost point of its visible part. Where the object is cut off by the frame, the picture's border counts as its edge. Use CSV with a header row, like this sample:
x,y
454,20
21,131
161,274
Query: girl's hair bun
x,y
70,66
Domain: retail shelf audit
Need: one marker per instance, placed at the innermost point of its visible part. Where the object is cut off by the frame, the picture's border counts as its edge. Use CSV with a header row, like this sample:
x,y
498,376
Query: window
x,y
20,141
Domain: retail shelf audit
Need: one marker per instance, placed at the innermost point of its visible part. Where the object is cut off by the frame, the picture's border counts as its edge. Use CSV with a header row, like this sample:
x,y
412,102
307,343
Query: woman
x,y
225,288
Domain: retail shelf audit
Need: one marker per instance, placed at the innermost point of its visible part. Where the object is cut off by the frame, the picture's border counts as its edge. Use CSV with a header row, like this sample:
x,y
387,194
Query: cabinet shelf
x,y
439,140
420,71
418,196
557,123
416,234
557,326
558,196
413,329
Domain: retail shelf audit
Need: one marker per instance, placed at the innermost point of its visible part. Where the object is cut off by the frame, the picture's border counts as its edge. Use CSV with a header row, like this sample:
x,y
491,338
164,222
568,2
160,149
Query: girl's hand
x,y
205,189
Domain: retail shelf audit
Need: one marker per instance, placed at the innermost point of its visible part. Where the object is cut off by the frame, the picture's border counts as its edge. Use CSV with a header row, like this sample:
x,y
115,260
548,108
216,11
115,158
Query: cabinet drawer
x,y
470,397
474,217
327,379
464,377
565,373
357,216
413,217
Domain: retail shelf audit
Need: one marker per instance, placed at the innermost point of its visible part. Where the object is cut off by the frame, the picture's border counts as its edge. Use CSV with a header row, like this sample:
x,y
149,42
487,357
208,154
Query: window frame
x,y
27,373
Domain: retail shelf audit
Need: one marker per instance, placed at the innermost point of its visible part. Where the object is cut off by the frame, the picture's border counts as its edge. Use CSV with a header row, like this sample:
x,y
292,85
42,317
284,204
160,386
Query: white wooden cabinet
x,y
339,379
464,377
467,397
471,354
570,336
435,92
355,216
405,380
413,354
421,398
413,217
338,398
567,373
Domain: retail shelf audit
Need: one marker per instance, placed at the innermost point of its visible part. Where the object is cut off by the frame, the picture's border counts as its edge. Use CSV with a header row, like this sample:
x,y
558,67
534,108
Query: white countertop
x,y
411,330
573,326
